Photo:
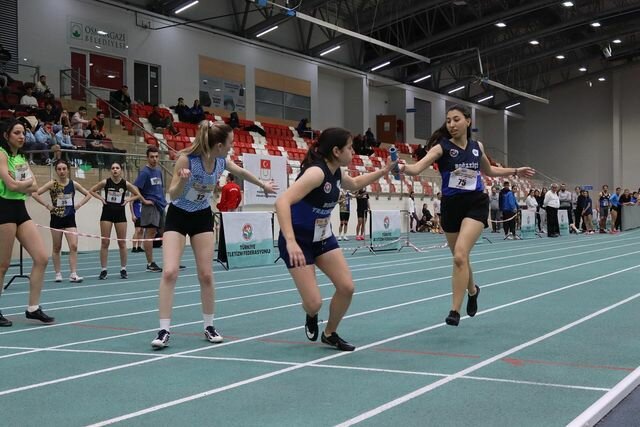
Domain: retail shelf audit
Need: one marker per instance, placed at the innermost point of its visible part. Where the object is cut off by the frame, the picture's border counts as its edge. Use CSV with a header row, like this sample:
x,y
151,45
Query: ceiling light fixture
x,y
534,42
186,6
617,41
602,79
328,51
567,3
560,56
595,24
583,69
511,106
456,90
485,98
422,78
275,27
500,24
377,67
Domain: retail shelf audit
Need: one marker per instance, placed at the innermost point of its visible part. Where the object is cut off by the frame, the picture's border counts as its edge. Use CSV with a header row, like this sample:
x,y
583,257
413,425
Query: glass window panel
x,y
268,95
296,114
297,101
269,110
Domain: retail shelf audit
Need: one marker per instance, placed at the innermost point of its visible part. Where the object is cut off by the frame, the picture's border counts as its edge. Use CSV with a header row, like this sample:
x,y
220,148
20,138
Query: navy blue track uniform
x,y
463,193
311,218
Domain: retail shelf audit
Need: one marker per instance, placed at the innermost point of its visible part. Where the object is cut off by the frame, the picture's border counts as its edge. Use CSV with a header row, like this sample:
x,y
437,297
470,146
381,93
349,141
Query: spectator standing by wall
x,y
552,204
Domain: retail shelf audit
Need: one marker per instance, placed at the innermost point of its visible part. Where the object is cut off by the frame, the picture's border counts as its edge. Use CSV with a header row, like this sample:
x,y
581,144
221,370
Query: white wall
x,y
571,138
331,100
378,105
176,50
626,118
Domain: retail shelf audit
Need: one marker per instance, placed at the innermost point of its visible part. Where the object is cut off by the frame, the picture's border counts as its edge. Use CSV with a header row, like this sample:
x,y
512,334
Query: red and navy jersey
x,y
319,202
454,158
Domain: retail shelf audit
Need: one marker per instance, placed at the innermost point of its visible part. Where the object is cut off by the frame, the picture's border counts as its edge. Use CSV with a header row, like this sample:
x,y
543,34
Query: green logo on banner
x,y
76,30
247,232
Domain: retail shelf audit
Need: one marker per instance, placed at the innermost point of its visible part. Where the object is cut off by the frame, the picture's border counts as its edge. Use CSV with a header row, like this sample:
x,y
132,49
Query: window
x,y
282,105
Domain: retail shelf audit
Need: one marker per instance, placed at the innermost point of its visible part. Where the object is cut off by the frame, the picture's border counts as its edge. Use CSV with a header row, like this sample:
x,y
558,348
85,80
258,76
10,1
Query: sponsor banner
x,y
563,222
265,168
94,35
219,93
528,224
249,238
385,230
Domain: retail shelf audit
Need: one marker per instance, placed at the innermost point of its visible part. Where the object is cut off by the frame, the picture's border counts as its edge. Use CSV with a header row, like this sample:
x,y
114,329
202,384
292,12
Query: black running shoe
x,y
153,267
453,318
162,340
472,302
4,322
123,274
182,267
335,341
212,335
311,327
39,315
103,275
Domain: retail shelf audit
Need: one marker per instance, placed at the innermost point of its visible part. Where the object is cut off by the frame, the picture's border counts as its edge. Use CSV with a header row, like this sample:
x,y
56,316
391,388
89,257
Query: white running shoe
x,y
74,278
162,340
345,238
339,237
212,335
58,277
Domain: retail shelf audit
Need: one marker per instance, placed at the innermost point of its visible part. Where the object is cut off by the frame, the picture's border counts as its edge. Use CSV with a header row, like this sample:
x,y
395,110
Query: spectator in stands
x,y
437,203
413,216
183,112
303,128
120,100
48,114
634,198
45,135
28,99
426,222
79,121
587,212
63,120
509,208
231,196
565,202
494,205
552,204
370,139
41,86
158,121
31,144
420,153
63,138
97,124
615,211
234,120
362,207
197,113
603,205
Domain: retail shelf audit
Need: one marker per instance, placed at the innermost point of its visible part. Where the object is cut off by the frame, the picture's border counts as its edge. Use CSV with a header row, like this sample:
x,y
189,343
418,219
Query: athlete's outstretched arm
x,y
416,169
354,184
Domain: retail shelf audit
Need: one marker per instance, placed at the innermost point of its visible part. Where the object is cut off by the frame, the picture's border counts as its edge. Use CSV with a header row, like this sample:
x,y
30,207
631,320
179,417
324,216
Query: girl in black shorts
x,y
465,205
63,209
16,182
113,215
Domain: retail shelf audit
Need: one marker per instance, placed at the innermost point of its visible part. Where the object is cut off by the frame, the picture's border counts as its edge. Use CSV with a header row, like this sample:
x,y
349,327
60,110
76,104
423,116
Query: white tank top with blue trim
x,y
198,191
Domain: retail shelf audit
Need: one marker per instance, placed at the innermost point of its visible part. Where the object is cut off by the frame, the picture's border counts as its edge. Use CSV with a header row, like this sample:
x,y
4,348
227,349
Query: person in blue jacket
x,y
509,208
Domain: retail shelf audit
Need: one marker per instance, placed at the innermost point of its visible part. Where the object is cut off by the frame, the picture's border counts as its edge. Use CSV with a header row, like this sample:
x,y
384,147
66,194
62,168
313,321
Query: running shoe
x,y
453,318
103,275
162,340
311,327
472,302
39,315
335,341
212,335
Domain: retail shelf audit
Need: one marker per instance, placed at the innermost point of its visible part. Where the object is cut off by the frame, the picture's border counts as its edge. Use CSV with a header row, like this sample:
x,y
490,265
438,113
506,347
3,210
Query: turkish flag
x,y
265,169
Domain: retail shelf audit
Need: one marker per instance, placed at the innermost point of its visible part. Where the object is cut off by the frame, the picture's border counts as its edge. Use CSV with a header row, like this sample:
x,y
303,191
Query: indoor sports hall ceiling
x,y
582,39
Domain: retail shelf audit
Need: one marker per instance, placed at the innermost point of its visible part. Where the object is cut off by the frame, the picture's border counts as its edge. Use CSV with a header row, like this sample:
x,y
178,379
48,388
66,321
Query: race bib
x,y
605,203
200,192
64,200
322,229
156,181
114,196
463,179
22,172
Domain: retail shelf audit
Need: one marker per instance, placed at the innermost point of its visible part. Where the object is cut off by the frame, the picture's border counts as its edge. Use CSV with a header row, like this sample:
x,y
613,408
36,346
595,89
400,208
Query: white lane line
x,y
385,341
594,413
507,266
477,251
286,276
419,392
341,367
